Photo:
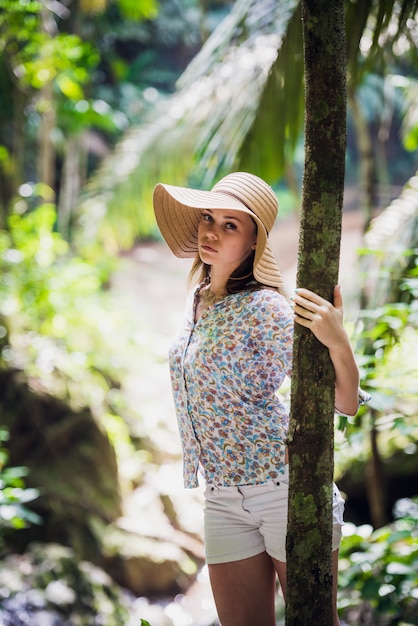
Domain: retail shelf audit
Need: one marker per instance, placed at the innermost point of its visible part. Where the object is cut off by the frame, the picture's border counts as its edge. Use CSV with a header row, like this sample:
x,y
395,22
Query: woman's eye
x,y
206,217
230,226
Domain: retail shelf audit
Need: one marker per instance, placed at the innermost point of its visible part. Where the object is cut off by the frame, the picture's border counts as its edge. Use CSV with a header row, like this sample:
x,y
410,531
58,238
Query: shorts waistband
x,y
269,485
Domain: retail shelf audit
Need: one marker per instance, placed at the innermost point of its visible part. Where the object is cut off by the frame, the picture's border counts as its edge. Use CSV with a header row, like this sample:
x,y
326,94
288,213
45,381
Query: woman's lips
x,y
207,248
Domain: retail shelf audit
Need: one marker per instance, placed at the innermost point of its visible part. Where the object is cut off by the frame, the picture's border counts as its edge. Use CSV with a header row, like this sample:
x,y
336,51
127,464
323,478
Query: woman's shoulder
x,y
265,314
263,303
266,297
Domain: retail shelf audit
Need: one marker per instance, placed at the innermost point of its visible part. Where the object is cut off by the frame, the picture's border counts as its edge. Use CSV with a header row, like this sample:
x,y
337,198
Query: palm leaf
x,y
390,242
239,105
196,135
380,24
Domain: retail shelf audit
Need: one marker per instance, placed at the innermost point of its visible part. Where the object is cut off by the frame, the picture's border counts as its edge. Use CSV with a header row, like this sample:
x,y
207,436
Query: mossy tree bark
x,y
311,436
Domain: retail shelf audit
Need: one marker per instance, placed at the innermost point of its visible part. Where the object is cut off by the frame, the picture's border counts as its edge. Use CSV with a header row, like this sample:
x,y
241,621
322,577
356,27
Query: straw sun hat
x,y
178,211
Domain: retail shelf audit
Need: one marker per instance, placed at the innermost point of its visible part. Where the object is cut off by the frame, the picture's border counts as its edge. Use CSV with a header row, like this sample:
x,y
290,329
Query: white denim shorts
x,y
240,522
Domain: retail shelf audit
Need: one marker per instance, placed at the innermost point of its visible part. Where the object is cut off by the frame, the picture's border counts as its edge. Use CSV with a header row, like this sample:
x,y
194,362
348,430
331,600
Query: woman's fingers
x,y
308,296
319,315
308,304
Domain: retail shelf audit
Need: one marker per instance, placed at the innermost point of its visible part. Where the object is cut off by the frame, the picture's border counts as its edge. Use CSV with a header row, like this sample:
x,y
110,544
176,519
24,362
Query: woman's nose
x,y
211,232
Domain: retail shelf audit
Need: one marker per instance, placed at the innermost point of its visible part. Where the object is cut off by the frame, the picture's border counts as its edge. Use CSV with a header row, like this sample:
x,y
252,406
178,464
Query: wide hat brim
x,y
178,212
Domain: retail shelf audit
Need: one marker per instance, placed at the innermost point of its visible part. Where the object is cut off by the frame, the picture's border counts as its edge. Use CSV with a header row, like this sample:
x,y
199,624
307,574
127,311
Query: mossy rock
x,y
70,460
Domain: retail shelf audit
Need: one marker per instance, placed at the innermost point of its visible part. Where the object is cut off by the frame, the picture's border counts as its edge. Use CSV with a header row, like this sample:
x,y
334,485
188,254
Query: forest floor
x,y
153,284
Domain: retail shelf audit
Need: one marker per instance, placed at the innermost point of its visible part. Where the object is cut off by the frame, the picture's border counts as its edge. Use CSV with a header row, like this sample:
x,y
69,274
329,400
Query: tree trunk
x,y
12,169
46,163
311,435
46,107
70,183
375,480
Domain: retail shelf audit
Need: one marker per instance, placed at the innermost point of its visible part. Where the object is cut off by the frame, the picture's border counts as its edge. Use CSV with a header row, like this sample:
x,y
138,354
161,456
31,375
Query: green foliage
x,y
54,61
380,568
67,590
13,494
410,109
196,136
18,21
377,33
385,336
62,326
38,58
64,60
134,10
204,130
59,324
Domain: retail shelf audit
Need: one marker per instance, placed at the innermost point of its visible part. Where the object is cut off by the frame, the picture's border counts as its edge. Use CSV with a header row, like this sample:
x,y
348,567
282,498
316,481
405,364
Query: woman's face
x,y
226,238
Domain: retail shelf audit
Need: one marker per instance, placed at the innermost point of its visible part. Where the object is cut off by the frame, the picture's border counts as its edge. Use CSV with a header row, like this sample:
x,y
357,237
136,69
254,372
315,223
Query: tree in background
x,y
73,77
44,72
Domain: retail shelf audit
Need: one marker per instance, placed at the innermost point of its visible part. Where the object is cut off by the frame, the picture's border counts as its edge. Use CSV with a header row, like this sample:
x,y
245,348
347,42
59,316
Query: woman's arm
x,y
326,322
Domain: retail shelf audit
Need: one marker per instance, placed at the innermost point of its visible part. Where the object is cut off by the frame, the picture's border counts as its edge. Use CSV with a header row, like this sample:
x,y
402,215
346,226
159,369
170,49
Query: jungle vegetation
x,y
99,99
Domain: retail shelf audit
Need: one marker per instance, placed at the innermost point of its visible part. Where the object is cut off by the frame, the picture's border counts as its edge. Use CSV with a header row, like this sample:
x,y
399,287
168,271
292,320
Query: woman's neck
x,y
206,297
217,284
216,291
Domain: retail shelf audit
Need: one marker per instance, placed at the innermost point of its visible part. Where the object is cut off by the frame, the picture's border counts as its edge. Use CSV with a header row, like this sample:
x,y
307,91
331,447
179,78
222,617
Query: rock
x,y
70,461
148,566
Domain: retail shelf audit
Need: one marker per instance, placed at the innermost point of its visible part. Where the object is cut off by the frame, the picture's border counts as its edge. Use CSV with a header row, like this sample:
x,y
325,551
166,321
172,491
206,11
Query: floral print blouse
x,y
226,370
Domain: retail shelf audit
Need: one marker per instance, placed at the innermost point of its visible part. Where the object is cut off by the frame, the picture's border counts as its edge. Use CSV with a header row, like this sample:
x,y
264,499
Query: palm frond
x,y
239,105
389,243
277,125
196,135
373,28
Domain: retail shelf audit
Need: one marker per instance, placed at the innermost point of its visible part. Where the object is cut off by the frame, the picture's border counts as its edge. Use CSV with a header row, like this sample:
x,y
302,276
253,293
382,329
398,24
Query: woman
x,y
226,366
